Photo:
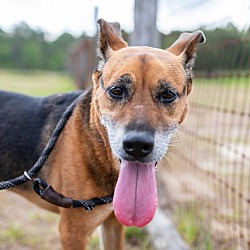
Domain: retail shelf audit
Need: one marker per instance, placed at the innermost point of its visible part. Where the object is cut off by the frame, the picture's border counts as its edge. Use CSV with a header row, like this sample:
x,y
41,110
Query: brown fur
x,y
82,164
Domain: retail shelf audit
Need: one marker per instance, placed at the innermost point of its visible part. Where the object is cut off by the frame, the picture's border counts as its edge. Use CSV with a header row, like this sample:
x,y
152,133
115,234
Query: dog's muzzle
x,y
137,141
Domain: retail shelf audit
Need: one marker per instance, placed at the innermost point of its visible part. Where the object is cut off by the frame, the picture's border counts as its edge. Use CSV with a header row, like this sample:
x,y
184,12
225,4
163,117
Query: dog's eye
x,y
116,92
168,96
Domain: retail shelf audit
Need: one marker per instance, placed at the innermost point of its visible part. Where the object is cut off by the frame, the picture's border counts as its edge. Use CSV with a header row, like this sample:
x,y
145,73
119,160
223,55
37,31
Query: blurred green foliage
x,y
226,49
25,48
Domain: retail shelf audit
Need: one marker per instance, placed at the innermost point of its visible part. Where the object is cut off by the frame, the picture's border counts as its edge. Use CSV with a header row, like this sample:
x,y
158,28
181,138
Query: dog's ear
x,y
109,39
185,48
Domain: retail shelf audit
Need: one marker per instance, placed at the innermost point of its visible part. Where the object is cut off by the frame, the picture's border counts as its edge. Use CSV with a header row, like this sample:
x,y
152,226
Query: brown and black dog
x,y
117,133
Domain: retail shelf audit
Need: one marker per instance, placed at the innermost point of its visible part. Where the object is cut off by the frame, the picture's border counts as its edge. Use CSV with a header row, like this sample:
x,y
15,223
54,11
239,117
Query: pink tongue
x,y
135,197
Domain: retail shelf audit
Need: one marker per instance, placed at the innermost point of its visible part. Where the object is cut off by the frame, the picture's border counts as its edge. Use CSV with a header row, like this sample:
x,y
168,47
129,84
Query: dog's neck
x,y
83,145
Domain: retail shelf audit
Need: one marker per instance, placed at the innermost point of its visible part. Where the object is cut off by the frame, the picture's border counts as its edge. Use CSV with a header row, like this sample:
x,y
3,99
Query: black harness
x,y
41,187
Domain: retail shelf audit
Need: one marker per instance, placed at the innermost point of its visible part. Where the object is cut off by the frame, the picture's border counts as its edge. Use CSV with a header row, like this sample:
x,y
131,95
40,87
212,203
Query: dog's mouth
x,y
135,197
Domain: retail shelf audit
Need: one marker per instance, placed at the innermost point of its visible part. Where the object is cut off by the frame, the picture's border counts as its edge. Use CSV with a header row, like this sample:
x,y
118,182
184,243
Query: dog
x,y
118,132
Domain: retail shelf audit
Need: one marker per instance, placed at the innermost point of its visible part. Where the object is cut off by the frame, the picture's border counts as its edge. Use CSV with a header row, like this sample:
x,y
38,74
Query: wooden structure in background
x,y
145,30
81,62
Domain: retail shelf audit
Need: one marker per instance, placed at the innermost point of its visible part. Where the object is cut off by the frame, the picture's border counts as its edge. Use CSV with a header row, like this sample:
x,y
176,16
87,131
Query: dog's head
x,y
140,95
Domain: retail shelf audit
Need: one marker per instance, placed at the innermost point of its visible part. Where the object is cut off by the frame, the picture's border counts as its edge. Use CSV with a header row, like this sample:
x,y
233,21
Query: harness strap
x,y
48,193
40,186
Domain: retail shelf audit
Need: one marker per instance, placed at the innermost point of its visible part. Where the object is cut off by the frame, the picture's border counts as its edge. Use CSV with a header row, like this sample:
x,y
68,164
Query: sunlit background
x,y
48,47
78,17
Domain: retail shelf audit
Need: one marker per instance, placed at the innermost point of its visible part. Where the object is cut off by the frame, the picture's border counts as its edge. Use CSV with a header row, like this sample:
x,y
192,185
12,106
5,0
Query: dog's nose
x,y
138,145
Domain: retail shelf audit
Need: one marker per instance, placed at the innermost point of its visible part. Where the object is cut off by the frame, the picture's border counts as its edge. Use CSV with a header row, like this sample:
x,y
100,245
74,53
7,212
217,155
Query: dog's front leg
x,y
76,227
112,234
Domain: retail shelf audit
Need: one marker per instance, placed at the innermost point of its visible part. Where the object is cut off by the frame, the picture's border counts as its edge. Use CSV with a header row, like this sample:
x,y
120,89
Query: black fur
x,y
24,122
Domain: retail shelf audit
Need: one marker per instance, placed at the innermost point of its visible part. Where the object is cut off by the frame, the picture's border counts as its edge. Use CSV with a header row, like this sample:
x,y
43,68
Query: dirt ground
x,y
24,226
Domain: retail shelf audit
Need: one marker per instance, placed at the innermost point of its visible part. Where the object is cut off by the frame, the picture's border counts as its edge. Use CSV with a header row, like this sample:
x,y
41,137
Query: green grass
x,y
93,243
138,237
225,93
190,224
15,234
36,83
239,81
